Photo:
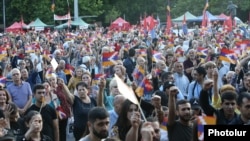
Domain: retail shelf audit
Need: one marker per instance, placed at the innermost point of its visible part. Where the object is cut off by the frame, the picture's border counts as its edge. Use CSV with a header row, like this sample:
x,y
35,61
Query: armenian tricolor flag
x,y
69,70
138,72
97,78
3,53
202,52
204,120
164,124
157,56
109,59
228,55
144,87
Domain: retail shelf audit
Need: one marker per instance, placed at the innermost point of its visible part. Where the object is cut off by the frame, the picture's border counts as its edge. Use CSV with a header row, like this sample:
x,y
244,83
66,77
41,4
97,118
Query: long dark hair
x,y
123,123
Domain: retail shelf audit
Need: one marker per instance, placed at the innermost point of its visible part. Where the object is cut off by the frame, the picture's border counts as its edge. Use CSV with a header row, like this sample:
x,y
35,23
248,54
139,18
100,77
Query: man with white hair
x,y
190,63
20,91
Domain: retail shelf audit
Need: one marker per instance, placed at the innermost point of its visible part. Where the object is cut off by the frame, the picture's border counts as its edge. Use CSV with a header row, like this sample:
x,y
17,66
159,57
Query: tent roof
x,y
16,26
79,22
119,20
62,26
223,16
120,23
189,17
37,23
210,17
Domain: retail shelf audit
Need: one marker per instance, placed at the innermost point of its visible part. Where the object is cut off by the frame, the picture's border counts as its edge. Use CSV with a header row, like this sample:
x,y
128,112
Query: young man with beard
x,y
98,124
183,125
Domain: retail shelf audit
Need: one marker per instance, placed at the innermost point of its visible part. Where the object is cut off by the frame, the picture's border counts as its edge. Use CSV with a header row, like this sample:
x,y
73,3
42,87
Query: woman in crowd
x,y
34,122
64,107
123,124
5,98
75,79
81,105
139,71
120,71
92,86
109,98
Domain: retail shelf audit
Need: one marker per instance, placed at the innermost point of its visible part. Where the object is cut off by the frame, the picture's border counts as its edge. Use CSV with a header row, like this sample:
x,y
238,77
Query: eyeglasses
x,y
114,86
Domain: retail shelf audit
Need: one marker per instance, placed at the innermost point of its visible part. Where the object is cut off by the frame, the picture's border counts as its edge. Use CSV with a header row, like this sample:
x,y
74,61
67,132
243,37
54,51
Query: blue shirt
x,y
62,75
194,90
113,116
20,94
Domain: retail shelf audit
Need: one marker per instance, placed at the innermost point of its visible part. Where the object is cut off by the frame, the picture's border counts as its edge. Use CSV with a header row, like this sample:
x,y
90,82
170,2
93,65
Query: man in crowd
x,y
98,124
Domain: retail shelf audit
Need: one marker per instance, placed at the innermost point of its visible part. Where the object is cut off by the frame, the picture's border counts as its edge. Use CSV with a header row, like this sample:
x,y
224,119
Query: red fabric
x,y
169,23
120,24
204,19
16,26
228,24
151,23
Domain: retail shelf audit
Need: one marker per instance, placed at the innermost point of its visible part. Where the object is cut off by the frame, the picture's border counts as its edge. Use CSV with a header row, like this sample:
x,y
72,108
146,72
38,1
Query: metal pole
x,y
4,22
76,15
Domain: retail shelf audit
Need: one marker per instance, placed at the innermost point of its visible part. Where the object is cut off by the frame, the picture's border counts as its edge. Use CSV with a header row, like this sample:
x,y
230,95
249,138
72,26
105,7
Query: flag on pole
x,y
108,59
206,5
169,20
184,25
228,55
204,120
53,6
205,18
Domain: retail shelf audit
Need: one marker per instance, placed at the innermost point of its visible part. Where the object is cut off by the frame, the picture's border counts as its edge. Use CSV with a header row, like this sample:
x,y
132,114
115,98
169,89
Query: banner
x,y
59,18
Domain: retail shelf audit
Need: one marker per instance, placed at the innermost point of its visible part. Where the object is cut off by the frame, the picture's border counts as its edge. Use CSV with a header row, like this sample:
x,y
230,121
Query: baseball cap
x,y
195,104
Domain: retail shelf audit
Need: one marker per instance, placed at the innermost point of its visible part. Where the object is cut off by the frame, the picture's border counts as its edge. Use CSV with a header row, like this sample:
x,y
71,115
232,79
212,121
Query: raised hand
x,y
208,84
7,111
102,83
215,73
173,91
135,119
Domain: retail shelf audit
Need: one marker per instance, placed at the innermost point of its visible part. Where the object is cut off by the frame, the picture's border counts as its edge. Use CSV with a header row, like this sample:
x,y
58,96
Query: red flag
x,y
205,18
169,21
152,23
228,26
145,25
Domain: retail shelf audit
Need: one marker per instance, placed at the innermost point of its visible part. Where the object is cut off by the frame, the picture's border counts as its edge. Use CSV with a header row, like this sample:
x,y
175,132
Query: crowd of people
x,y
50,77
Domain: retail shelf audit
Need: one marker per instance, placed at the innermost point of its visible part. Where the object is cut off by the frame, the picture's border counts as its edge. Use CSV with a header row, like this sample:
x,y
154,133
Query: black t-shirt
x,y
48,115
44,138
80,111
179,132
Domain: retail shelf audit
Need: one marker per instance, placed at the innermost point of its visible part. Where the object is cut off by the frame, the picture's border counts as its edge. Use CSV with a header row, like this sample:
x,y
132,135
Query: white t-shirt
x,y
34,57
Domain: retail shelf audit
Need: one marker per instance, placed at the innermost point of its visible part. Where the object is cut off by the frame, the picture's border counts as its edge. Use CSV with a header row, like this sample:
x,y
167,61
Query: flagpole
x,y
4,20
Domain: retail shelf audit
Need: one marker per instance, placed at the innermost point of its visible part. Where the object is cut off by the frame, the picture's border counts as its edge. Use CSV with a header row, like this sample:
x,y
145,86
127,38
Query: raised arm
x,y
208,109
70,97
101,84
135,120
215,88
173,91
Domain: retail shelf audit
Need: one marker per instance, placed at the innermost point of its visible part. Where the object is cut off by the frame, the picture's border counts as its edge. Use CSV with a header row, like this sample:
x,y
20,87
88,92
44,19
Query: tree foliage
x,y
108,10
